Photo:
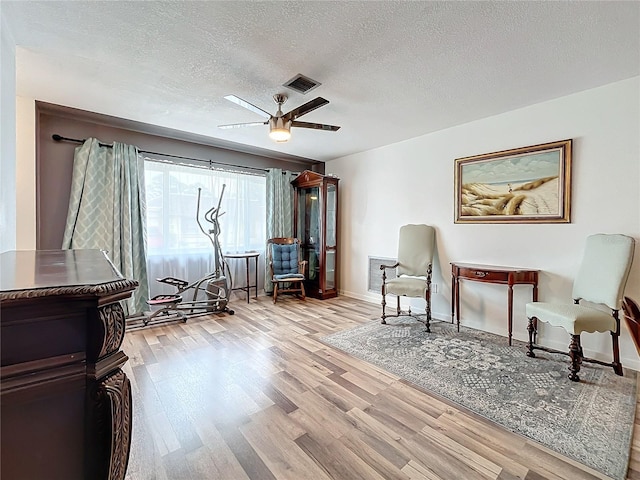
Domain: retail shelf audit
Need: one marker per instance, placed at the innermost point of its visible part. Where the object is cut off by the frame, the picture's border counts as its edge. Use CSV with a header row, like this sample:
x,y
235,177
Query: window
x,y
176,245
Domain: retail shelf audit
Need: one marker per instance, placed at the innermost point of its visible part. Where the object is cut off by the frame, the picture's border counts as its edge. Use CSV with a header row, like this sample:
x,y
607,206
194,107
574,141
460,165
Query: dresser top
x,y
29,273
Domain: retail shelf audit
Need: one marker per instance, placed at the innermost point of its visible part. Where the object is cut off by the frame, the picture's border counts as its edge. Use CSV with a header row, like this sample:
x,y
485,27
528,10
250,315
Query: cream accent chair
x,y
413,270
601,280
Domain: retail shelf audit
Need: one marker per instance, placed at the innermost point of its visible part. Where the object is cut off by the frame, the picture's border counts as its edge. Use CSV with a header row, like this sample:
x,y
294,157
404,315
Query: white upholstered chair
x,y
600,281
413,270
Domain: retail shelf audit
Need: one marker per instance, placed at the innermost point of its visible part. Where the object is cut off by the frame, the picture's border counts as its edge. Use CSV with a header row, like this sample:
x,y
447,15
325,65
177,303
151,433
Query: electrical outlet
x,y
434,287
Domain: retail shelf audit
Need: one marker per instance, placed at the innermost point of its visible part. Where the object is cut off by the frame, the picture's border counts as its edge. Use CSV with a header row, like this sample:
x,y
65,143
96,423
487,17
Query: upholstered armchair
x,y
600,281
286,270
413,270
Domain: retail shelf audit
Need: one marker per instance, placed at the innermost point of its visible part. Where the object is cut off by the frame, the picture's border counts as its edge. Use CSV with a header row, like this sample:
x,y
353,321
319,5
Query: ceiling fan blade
x,y
239,125
248,106
306,108
316,126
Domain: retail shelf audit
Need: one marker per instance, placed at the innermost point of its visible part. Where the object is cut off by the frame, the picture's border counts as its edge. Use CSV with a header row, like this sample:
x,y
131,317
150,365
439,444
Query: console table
x,y
247,256
65,402
490,274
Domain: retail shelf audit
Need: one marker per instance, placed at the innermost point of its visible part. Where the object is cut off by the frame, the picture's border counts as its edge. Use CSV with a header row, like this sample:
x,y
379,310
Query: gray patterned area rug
x,y
591,421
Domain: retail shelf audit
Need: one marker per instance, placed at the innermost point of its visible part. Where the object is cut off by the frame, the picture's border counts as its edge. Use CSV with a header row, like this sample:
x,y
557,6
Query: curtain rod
x,y
60,138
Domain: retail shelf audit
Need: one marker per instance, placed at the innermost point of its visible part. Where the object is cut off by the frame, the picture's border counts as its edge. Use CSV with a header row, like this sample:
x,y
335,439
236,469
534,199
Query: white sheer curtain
x,y
176,246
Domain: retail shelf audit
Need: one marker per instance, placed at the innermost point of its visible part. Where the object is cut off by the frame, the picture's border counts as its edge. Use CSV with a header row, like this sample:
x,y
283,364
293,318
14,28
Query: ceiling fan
x,y
280,124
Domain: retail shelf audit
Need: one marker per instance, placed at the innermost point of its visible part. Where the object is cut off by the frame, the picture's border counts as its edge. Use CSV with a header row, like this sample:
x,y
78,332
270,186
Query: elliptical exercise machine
x,y
215,286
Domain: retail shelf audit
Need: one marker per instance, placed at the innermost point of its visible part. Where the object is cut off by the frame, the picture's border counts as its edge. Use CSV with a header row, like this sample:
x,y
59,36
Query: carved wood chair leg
x,y
384,304
304,295
531,330
428,310
576,358
617,366
275,292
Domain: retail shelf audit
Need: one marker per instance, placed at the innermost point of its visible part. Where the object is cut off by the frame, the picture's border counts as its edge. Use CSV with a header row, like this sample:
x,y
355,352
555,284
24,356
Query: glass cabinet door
x,y
331,206
308,231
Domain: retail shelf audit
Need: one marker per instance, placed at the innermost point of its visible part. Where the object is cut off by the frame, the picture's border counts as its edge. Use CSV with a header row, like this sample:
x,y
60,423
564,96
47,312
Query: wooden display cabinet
x,y
316,226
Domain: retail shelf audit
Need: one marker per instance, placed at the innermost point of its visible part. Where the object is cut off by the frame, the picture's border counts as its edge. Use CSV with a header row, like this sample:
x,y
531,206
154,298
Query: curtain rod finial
x,y
56,137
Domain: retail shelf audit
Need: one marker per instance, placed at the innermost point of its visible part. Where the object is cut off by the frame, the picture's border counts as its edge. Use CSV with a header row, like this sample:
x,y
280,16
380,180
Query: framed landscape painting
x,y
521,185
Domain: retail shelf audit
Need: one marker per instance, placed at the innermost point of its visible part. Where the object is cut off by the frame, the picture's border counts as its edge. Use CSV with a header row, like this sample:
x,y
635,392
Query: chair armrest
x,y
384,273
302,266
382,267
271,268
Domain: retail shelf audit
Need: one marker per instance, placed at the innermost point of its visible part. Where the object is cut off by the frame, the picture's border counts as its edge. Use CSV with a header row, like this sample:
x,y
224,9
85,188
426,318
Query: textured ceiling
x,y
391,70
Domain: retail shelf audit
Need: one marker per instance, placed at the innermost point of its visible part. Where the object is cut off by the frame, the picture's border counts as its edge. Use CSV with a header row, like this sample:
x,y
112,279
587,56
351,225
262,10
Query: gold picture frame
x,y
522,185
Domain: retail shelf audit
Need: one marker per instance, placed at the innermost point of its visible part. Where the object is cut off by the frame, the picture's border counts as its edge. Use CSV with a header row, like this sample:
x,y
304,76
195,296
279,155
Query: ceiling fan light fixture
x,y
279,129
280,124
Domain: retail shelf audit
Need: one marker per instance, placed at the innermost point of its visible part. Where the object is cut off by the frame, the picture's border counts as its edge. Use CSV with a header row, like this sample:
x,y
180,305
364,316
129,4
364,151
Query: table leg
x,y
535,320
256,259
510,311
453,298
247,277
457,295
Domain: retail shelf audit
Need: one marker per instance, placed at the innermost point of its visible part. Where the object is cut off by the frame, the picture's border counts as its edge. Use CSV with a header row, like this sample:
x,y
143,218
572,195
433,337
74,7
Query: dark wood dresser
x,y
65,403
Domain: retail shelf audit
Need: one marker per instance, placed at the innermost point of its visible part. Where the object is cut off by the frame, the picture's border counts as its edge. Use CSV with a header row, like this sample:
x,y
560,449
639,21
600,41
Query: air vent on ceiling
x,y
301,84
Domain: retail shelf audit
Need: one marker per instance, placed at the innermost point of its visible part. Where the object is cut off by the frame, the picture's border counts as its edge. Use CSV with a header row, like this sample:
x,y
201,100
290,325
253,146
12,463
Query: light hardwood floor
x,y
258,396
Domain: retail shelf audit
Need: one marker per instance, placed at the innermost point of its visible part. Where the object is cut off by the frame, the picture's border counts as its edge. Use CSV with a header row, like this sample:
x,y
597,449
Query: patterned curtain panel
x,y
107,211
279,210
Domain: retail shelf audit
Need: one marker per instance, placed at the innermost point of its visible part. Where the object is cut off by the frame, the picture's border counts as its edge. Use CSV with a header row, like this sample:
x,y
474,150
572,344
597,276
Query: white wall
x,y
413,182
26,173
7,139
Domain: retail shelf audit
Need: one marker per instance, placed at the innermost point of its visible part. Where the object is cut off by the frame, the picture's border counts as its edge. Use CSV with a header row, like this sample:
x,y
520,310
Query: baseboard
x,y
369,298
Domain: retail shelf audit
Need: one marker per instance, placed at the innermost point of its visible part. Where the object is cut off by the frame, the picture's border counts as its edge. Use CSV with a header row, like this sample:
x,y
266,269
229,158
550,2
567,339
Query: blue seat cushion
x,y
284,259
289,276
